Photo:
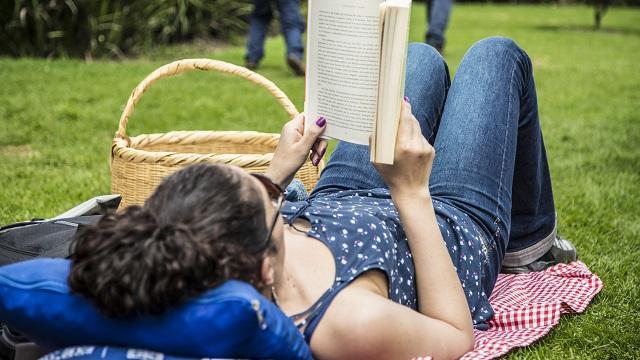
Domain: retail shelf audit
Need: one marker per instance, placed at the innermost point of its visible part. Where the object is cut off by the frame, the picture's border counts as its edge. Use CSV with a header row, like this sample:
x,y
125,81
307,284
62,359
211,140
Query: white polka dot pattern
x,y
363,231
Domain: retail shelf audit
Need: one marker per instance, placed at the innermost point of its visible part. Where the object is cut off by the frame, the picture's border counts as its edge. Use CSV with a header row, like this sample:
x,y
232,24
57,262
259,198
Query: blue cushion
x,y
35,300
90,352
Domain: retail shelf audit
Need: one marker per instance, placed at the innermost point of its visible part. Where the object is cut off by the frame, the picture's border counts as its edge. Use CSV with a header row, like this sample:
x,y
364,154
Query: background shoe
x,y
251,65
562,251
296,64
437,45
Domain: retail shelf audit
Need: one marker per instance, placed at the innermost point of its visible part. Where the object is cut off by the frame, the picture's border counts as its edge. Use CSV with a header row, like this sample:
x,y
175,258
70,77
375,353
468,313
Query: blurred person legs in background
x,y
292,26
438,17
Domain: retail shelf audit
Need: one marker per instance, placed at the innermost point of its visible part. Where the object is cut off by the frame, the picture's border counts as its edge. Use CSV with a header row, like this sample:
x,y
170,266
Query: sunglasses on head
x,y
276,194
274,190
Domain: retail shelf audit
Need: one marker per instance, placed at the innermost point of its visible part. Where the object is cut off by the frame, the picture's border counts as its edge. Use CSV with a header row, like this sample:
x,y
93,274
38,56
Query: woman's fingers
x,y
319,146
312,133
411,143
318,150
409,131
405,116
295,125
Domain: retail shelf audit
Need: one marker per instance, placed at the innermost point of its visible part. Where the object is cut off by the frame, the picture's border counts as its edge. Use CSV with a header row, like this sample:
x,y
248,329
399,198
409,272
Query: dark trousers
x,y
291,22
438,17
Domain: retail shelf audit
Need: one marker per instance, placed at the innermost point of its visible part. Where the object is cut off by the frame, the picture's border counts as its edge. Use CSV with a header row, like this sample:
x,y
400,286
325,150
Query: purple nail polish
x,y
315,161
406,98
321,121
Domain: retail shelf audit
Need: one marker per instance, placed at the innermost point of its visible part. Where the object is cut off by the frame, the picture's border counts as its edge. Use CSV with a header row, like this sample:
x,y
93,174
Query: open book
x,y
356,58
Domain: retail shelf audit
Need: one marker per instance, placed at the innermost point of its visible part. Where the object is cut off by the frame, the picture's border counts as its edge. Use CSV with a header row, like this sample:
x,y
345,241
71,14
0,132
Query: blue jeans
x,y
438,17
291,24
490,157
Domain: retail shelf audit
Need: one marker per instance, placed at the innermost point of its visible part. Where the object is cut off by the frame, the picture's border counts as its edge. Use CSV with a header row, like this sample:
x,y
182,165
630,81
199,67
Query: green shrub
x,y
112,27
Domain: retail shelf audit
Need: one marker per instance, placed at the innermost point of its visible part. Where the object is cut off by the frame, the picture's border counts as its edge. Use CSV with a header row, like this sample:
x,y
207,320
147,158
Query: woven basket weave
x,y
139,163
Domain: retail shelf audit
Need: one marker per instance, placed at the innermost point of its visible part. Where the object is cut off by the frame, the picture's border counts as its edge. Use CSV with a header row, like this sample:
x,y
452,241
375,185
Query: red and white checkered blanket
x,y
528,306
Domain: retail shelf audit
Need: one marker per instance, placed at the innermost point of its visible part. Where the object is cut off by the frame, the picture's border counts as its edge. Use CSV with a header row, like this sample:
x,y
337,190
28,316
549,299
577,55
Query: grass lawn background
x,y
57,119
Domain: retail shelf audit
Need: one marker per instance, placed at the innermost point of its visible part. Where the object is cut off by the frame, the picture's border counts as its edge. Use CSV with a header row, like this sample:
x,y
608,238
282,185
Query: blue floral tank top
x,y
363,231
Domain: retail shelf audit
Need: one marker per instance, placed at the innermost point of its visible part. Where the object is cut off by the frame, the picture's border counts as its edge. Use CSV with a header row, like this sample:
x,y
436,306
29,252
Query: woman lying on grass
x,y
384,261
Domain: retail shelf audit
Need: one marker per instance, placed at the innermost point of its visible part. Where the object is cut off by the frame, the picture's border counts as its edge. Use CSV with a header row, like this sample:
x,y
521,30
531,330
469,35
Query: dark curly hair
x,y
203,225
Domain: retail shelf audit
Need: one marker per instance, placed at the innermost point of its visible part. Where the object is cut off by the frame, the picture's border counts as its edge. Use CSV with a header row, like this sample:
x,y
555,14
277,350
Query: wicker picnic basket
x,y
139,163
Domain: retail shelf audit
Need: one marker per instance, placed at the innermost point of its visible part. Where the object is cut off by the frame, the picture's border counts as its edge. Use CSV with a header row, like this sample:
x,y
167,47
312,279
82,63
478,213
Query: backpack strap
x,y
62,250
14,346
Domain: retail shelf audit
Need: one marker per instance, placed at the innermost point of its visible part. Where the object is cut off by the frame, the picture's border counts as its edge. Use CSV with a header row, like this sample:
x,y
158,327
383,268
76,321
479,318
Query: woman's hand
x,y
294,147
413,158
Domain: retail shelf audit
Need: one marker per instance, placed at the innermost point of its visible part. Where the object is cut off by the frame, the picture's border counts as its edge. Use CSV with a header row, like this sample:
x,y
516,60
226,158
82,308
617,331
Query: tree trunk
x,y
600,9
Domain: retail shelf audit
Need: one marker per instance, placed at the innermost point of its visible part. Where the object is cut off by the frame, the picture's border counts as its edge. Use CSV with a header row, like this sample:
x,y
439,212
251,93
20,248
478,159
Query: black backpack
x,y
44,238
40,238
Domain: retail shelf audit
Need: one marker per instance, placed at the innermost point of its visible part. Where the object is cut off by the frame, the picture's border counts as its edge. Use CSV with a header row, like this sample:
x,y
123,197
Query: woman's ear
x,y
267,271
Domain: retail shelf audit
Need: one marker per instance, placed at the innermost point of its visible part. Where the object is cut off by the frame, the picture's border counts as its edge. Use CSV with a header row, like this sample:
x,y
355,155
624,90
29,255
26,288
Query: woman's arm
x,y
363,324
440,295
294,147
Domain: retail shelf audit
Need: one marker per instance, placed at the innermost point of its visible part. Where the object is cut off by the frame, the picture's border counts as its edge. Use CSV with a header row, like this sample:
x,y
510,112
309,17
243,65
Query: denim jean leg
x,y
489,107
533,218
292,26
258,28
438,17
426,85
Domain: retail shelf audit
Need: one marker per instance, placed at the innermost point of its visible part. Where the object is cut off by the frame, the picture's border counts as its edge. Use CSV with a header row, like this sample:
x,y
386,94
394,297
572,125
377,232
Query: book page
x,y
343,61
395,32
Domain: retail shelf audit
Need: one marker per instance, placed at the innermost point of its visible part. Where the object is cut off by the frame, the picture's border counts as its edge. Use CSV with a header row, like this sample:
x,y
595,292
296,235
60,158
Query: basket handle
x,y
180,66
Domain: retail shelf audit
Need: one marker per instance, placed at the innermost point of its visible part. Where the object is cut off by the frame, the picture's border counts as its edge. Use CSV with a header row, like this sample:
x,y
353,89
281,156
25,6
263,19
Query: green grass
x,y
58,118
